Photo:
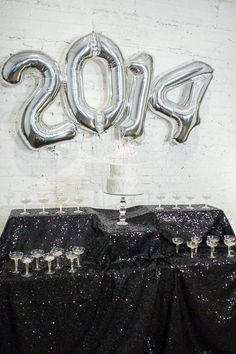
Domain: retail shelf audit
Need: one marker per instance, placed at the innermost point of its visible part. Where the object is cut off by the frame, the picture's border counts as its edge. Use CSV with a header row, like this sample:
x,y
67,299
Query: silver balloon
x,y
102,49
195,78
140,69
33,130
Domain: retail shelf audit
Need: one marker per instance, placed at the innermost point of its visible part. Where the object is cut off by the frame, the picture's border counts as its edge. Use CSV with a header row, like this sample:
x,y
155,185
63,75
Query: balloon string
x,y
93,25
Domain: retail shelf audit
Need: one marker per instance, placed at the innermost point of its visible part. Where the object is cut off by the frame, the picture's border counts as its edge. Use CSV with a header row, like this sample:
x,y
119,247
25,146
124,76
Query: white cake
x,y
123,179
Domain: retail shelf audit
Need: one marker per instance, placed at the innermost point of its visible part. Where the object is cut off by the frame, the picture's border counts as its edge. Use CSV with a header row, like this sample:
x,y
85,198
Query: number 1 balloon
x,y
101,48
34,131
195,77
140,69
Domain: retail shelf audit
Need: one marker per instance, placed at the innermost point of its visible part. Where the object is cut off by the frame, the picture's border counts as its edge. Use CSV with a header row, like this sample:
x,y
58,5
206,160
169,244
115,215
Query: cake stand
x,y
122,212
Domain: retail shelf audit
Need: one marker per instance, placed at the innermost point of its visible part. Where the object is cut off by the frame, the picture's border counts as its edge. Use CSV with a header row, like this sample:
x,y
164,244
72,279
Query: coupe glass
x,y
177,241
78,251
192,246
160,198
176,198
49,258
212,242
71,256
27,259
25,201
16,256
230,241
43,201
57,253
37,254
206,199
197,240
190,200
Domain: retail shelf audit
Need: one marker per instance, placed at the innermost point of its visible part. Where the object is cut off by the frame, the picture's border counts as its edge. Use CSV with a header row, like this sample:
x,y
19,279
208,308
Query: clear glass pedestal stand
x,y
122,211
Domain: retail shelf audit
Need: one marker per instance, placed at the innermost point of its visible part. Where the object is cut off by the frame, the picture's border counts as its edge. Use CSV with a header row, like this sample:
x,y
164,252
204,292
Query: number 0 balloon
x,y
103,49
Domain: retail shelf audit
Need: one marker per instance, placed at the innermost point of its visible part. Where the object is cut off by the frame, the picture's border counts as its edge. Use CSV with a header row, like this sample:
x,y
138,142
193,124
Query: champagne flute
x,y
190,200
177,241
79,196
25,201
71,256
206,199
43,201
192,246
229,241
78,250
49,257
61,200
27,259
160,198
37,254
176,198
77,202
57,253
197,240
16,256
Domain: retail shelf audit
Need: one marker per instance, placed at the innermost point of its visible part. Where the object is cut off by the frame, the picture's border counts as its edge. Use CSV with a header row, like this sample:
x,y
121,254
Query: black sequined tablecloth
x,y
132,295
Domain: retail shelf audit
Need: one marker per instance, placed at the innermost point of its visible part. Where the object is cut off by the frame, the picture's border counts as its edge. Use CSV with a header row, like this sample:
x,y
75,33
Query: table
x,y
133,294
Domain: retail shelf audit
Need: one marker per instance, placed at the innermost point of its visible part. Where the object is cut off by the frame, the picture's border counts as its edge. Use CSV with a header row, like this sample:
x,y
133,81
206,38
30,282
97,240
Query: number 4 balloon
x,y
195,78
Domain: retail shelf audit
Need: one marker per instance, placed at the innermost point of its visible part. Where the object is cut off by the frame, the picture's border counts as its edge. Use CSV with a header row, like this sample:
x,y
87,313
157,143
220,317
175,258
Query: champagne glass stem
x,y
177,249
176,204
212,252
49,267
24,206
192,251
37,263
206,203
60,208
26,269
58,262
229,251
78,262
196,250
43,207
16,265
72,265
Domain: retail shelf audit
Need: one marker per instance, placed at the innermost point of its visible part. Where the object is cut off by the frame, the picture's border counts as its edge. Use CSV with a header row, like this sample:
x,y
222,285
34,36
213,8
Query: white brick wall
x,y
173,32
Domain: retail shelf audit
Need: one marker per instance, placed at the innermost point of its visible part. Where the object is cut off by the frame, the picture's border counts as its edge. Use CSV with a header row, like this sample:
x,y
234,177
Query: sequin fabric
x,y
132,295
